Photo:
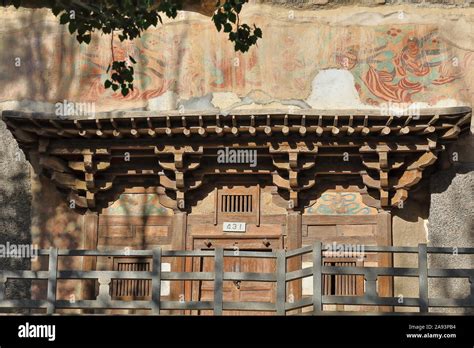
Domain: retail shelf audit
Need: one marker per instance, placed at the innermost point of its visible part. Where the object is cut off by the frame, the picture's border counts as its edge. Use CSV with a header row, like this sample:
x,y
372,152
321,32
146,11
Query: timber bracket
x,y
92,161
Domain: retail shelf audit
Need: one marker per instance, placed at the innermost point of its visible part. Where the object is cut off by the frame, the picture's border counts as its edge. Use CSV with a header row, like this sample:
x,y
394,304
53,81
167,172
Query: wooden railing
x,y
281,277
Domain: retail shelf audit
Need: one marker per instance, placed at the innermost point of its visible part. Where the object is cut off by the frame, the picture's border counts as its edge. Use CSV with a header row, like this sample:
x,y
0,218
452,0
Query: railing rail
x,y
280,277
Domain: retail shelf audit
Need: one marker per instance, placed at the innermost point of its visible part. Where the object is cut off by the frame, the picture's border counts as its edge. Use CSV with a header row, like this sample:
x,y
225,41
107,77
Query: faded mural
x,y
402,63
340,203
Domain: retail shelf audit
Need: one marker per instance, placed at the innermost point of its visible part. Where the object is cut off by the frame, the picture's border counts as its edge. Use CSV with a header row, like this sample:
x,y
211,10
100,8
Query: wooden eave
x,y
176,152
446,122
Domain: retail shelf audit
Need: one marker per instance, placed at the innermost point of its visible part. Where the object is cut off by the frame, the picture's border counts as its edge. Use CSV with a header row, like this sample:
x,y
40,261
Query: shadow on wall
x,y
29,58
15,209
53,225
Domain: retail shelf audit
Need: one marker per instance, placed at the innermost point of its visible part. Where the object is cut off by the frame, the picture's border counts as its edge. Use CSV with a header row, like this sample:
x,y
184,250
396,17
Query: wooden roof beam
x,y
349,129
451,133
82,132
99,130
116,131
404,130
365,130
433,120
151,128
80,165
134,130
54,163
60,130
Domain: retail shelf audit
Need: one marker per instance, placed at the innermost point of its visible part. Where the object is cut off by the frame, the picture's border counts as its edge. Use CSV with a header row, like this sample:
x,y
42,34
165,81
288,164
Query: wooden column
x,y
90,228
178,243
294,241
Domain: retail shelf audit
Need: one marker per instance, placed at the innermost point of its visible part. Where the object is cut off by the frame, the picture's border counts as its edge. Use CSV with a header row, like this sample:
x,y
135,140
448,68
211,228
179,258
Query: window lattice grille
x,y
340,285
136,288
236,204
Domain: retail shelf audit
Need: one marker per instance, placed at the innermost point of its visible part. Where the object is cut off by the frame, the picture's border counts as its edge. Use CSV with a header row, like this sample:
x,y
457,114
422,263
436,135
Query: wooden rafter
x,y
298,150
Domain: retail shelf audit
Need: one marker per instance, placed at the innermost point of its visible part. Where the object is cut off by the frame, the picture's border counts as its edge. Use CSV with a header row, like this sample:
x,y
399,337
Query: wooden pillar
x,y
178,243
90,228
294,241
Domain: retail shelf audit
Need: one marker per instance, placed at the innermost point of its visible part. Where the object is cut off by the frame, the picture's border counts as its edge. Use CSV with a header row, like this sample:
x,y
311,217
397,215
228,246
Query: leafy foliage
x,y
226,18
122,76
129,18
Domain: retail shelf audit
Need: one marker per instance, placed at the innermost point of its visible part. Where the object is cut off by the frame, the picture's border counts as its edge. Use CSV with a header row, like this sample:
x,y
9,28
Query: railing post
x,y
423,277
371,285
317,278
281,282
156,282
52,280
218,280
104,289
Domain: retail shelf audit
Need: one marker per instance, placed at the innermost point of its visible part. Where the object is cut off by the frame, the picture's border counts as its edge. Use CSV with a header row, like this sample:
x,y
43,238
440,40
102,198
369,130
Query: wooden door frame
x,y
188,289
383,237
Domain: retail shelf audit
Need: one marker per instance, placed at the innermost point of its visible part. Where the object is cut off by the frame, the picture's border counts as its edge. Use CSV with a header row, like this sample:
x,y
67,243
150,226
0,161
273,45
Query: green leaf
x,y
64,18
56,10
227,27
232,17
87,38
132,60
107,84
72,27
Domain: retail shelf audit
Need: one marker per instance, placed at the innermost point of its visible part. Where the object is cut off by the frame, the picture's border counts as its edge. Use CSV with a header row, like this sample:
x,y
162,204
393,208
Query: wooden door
x,y
340,230
237,291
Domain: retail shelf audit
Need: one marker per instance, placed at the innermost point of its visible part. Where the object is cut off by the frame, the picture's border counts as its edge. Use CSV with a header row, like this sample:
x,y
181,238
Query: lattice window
x,y
131,288
236,203
341,285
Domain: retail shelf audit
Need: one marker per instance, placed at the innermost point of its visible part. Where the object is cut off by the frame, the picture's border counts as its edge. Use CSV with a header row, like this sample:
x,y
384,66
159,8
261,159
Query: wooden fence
x,y
281,277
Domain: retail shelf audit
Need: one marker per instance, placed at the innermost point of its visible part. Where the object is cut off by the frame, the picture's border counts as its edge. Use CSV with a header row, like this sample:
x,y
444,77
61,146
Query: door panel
x,y
335,230
237,291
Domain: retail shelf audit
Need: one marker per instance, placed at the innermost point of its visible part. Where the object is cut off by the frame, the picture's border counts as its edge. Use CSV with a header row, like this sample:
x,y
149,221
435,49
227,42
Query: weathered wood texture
x,y
93,160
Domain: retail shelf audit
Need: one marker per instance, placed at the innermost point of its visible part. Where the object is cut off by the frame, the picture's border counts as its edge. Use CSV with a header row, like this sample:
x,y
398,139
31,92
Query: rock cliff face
x,y
451,221
15,208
